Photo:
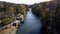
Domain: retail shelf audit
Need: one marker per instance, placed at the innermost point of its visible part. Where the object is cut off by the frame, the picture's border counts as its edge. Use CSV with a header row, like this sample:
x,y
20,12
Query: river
x,y
32,24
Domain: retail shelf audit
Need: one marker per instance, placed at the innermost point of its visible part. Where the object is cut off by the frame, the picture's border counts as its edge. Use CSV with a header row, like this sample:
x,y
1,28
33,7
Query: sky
x,y
24,1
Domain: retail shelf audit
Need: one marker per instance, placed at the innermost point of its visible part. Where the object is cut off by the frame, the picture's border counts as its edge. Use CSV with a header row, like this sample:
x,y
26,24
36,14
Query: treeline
x,y
49,13
8,11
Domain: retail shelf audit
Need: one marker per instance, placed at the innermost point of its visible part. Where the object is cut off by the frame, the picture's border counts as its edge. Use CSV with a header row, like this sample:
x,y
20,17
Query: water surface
x,y
32,25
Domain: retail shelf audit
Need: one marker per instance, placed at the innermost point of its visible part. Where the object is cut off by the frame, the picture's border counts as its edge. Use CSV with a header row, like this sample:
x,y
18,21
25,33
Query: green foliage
x,y
6,21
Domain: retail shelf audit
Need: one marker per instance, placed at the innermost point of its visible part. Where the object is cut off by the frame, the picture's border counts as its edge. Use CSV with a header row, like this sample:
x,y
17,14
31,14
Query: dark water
x,y
32,25
1,25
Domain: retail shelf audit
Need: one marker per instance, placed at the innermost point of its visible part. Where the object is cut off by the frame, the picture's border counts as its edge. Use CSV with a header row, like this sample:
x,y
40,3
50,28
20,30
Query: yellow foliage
x,y
11,9
59,9
43,14
47,3
40,5
46,10
1,5
23,10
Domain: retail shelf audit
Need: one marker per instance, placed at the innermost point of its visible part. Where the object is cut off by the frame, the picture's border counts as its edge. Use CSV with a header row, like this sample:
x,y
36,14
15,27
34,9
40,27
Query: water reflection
x,y
32,25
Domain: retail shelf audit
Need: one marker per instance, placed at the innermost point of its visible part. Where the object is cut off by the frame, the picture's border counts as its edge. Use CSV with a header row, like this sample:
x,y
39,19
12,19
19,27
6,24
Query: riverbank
x,y
11,30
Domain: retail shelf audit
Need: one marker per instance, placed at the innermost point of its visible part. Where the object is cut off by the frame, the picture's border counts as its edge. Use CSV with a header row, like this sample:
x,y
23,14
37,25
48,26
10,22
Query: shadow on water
x,y
32,25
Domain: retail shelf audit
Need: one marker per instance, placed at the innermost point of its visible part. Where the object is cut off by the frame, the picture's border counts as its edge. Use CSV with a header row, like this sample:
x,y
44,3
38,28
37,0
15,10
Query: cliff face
x,y
49,14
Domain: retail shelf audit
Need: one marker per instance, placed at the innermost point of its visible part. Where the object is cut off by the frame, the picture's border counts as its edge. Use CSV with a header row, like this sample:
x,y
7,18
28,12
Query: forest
x,y
49,12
